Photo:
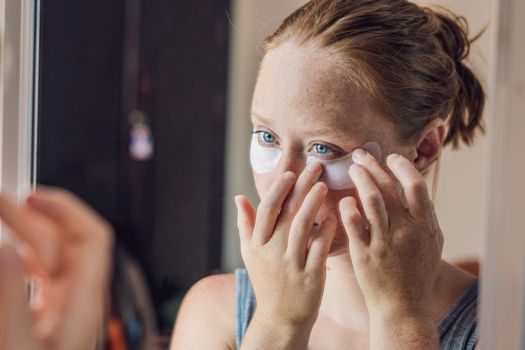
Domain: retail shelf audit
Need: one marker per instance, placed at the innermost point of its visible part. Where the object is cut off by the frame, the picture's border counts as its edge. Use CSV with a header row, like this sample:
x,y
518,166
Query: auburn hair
x,y
408,59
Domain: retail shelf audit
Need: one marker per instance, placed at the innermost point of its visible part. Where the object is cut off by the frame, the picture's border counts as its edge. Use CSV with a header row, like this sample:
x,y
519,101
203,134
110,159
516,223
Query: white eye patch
x,y
263,159
335,172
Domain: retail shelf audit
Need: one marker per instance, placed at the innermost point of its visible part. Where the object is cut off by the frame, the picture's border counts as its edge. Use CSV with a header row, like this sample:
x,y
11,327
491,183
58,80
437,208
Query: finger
x,y
270,207
32,230
66,208
302,225
413,183
245,218
306,180
56,202
320,246
371,199
294,201
353,223
389,189
77,322
78,226
78,223
15,321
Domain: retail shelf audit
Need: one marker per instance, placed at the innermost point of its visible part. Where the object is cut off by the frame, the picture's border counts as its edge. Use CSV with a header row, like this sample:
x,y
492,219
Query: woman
x,y
331,263
356,264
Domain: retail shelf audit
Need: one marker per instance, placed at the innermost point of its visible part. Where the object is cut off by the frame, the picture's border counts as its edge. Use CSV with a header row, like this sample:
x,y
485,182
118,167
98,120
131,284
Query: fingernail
x,y
314,167
354,166
358,154
320,186
393,156
289,175
344,202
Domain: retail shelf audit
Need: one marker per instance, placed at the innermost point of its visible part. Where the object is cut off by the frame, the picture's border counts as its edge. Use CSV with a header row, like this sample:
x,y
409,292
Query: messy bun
x,y
467,110
410,60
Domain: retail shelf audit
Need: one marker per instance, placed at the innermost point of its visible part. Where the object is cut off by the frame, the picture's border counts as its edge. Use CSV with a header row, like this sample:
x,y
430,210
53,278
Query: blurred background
x,y
143,111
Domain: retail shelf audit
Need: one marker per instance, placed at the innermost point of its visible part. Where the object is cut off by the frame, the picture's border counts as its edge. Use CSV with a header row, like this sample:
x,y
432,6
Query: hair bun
x,y
453,34
466,116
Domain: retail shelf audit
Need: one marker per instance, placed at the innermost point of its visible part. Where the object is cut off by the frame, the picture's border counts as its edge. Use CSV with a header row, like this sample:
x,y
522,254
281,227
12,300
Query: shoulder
x,y
214,288
206,318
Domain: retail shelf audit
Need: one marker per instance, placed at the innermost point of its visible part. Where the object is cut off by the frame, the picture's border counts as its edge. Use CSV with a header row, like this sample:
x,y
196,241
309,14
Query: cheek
x,y
263,182
331,205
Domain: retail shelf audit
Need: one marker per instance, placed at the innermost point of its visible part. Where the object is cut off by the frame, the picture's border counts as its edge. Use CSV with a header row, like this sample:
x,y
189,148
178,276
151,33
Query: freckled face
x,y
303,106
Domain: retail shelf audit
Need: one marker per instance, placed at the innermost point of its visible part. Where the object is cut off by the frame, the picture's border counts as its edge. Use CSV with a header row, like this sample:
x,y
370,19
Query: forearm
x,y
263,334
407,331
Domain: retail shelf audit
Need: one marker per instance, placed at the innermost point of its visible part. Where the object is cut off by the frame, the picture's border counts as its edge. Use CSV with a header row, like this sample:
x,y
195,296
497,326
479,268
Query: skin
x,y
68,247
373,271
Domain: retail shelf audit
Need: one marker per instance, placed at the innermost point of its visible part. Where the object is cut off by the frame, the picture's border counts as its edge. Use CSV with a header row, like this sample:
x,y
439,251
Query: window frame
x,y
19,27
502,308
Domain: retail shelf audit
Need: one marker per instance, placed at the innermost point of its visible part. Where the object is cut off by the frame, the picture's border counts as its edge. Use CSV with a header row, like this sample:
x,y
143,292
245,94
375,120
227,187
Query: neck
x,y
343,301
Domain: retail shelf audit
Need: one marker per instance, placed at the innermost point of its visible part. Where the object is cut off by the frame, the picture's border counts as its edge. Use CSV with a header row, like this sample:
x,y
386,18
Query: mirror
x,y
141,108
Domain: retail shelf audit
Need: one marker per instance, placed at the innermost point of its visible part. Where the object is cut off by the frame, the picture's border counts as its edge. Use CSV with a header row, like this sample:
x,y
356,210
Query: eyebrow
x,y
259,117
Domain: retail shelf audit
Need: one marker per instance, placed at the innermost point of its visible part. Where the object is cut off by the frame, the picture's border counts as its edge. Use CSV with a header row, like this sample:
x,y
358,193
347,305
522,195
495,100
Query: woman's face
x,y
303,106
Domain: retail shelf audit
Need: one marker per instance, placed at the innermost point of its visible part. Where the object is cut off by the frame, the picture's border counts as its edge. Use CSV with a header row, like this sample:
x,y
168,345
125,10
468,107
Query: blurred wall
x,y
460,197
251,22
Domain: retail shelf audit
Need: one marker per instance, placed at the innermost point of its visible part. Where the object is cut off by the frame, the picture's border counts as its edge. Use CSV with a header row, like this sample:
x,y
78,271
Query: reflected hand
x,y
396,246
285,252
68,247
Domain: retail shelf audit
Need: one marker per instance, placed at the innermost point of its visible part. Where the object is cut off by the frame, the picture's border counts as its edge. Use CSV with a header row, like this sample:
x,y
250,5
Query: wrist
x,y
402,315
277,324
403,329
276,334
413,307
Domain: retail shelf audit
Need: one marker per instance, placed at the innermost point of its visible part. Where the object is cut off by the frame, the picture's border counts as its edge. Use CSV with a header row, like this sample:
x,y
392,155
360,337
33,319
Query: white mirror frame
x,y
503,269
18,73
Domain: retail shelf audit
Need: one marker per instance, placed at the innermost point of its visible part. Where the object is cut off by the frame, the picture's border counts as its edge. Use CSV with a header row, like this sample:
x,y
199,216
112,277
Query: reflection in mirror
x,y
146,112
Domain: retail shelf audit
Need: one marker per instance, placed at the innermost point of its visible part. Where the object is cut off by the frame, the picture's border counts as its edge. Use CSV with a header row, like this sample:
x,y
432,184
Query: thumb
x,y
15,319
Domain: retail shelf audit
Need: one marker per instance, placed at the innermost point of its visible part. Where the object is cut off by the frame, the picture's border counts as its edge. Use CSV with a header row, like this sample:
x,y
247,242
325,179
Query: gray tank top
x,y
458,330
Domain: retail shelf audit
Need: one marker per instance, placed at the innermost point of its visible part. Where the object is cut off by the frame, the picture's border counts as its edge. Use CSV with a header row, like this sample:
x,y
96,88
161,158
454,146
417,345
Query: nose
x,y
291,162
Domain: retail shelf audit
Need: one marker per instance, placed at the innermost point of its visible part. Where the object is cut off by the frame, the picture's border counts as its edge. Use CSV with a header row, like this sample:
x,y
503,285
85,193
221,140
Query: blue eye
x,y
267,137
321,149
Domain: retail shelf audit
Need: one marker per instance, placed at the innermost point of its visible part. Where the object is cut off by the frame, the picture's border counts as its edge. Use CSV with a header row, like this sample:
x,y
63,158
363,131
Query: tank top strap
x,y
244,304
459,328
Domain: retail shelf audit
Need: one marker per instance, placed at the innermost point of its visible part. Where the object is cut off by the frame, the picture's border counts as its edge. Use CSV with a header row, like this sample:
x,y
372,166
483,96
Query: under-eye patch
x,y
263,159
335,171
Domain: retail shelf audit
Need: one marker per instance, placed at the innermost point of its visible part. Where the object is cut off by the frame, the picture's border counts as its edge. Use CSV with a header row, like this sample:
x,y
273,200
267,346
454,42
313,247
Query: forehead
x,y
306,88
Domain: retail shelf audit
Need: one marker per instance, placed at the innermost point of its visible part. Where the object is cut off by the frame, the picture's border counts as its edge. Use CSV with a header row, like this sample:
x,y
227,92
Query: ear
x,y
429,145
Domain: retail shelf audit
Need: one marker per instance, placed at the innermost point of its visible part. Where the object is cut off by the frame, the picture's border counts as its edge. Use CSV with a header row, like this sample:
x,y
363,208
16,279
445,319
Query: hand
x,y
285,252
396,260
68,247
